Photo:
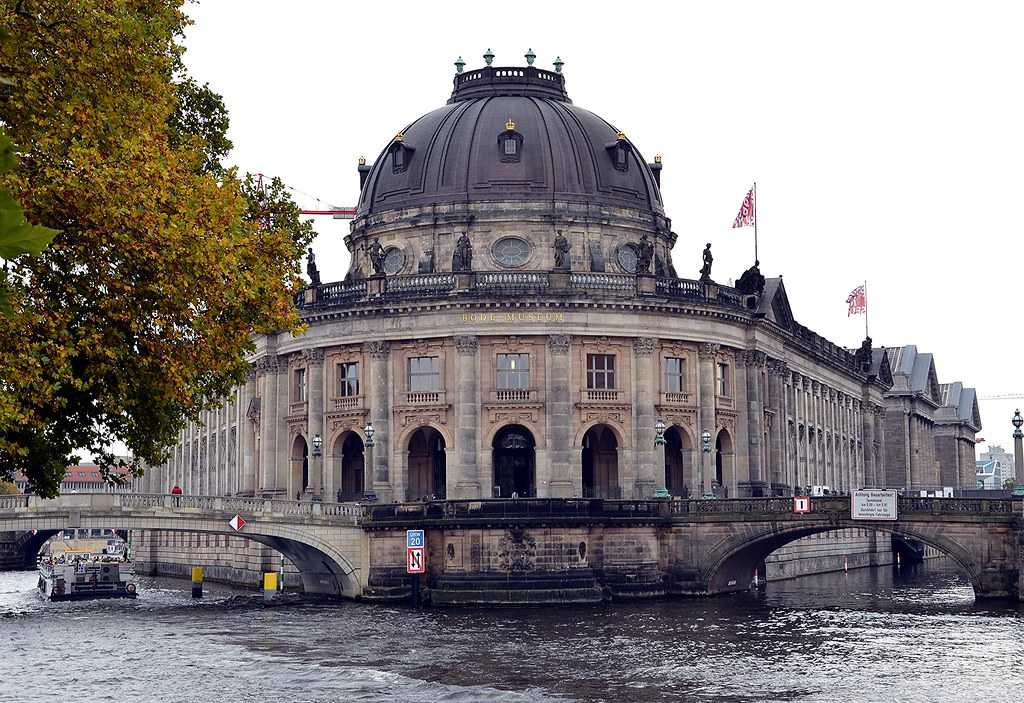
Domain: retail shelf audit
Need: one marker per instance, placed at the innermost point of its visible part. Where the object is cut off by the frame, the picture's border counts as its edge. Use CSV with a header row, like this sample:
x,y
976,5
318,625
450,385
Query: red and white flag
x,y
857,302
747,214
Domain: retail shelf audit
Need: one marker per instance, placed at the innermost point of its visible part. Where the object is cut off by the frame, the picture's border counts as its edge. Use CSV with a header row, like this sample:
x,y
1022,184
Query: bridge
x,y
632,548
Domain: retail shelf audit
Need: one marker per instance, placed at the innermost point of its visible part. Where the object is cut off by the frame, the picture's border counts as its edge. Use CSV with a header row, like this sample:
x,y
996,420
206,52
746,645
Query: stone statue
x,y
561,247
751,282
462,259
311,269
705,271
376,254
644,255
862,356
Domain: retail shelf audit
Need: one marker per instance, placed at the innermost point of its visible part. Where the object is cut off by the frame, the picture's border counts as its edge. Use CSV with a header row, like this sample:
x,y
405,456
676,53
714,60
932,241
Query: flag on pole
x,y
857,302
747,216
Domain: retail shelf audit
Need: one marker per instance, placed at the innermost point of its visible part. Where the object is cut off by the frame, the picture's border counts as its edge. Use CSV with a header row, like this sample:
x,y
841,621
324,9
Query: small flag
x,y
746,215
857,302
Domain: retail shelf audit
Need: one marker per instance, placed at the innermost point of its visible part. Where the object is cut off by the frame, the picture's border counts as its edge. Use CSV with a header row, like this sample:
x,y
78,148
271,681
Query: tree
x,y
8,489
140,313
1009,484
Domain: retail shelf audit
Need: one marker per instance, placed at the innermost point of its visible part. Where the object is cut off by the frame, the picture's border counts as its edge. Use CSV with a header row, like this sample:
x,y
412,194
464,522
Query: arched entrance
x,y
600,463
300,466
513,462
723,464
426,465
349,466
678,456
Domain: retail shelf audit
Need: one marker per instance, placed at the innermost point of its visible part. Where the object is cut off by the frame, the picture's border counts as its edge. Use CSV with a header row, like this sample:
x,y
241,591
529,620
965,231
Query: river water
x,y
870,635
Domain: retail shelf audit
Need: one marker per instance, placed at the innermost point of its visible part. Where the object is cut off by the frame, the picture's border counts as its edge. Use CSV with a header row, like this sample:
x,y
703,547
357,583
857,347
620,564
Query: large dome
x,y
460,153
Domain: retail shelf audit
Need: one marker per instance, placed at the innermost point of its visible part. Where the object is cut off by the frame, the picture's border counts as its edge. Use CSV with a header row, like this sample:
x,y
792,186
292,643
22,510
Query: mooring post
x,y
270,585
197,582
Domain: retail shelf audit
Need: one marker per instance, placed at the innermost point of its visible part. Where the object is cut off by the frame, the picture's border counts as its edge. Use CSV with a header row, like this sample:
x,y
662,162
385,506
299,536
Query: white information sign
x,y
873,505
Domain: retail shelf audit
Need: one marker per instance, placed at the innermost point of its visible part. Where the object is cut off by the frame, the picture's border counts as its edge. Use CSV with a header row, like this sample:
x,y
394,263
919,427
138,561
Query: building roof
x,y
85,472
455,154
959,404
914,374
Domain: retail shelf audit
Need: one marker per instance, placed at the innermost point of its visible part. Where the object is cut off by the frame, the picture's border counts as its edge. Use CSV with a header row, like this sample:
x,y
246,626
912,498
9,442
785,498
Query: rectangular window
x,y
723,379
424,374
675,375
600,372
348,379
299,386
513,372
510,147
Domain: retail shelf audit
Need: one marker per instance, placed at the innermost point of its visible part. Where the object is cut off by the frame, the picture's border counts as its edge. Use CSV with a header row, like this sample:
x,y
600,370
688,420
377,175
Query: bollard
x,y
197,582
270,585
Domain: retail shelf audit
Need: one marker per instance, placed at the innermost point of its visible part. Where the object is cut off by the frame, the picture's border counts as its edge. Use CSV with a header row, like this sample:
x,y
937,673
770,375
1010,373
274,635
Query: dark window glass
x,y
723,379
513,372
348,379
600,371
510,147
424,374
299,386
675,375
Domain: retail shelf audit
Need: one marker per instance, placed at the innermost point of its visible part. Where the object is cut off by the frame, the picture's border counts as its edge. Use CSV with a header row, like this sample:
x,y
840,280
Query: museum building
x,y
512,325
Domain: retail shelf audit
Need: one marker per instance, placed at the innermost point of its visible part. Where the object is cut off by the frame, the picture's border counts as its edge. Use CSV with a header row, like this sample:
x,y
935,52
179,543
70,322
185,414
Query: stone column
x,y
739,484
645,378
777,436
558,418
247,460
466,476
380,416
282,447
755,361
707,353
267,368
315,419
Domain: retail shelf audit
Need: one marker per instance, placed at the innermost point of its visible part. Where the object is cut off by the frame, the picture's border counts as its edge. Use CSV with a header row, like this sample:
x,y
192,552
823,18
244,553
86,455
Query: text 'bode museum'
x,y
512,324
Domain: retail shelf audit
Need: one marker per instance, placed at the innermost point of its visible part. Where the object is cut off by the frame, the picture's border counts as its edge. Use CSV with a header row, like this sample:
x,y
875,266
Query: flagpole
x,y
755,222
866,335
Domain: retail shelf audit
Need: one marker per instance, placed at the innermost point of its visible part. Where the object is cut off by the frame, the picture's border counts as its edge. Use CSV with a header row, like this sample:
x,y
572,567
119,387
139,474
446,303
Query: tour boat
x,y
85,580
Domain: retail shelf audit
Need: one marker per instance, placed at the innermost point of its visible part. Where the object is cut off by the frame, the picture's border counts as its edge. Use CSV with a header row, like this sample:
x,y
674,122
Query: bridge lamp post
x,y
1018,447
705,445
368,431
659,433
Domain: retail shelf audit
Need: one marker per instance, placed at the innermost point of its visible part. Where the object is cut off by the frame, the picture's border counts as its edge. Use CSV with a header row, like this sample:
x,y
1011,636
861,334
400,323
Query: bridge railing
x,y
522,508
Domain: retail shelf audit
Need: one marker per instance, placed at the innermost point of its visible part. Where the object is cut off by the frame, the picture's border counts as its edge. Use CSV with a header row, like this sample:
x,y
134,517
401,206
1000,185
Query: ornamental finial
x,y
510,125
362,160
620,136
488,57
459,65
558,63
529,56
657,158
400,137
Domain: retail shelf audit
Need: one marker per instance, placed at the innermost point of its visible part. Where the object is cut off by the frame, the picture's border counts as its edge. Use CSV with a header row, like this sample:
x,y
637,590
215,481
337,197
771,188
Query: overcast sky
x,y
885,137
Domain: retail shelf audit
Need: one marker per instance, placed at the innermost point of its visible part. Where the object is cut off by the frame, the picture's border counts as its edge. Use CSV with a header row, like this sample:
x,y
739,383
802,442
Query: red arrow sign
x,y
237,522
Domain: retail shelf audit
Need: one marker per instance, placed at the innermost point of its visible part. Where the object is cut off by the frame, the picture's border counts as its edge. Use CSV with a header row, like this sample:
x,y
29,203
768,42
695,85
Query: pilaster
x,y
566,467
380,415
315,418
466,475
644,380
706,354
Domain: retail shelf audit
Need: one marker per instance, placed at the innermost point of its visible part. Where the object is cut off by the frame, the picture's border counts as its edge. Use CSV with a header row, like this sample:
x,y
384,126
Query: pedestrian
x,y
176,494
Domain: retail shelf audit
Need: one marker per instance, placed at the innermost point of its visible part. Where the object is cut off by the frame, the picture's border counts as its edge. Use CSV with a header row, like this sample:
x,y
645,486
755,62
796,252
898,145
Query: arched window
x,y
510,143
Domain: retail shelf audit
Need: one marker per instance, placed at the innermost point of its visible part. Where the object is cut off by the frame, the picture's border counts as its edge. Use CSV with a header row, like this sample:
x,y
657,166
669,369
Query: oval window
x,y
394,260
511,251
627,257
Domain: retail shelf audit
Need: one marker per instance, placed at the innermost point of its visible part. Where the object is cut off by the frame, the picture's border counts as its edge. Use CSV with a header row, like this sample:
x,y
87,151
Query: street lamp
x,y
659,433
318,442
368,430
1017,422
1018,447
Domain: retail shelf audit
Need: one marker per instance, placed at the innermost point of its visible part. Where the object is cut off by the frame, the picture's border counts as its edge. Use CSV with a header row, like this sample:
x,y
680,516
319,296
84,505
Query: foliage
x,y
8,489
200,114
141,311
1009,484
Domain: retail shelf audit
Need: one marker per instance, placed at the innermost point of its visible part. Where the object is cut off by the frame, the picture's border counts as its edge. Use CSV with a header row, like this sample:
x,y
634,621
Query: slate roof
x,y
962,403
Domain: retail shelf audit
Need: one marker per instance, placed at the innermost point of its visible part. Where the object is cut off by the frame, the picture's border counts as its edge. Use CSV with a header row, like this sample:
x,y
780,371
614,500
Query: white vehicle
x,y
83,580
820,491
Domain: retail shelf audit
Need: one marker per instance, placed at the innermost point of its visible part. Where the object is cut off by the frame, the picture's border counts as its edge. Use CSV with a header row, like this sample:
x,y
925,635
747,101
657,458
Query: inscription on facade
x,y
513,316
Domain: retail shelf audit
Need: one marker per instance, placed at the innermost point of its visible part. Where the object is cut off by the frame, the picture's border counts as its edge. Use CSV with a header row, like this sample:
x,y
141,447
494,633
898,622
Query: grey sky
x,y
885,137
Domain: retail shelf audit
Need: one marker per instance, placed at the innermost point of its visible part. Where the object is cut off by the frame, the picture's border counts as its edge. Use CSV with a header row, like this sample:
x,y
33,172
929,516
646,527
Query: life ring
x,y
130,588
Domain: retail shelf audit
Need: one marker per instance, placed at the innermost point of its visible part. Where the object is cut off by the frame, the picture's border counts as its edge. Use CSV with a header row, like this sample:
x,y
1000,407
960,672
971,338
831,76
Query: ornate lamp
x,y
318,442
705,439
1017,422
659,433
459,65
368,430
529,56
558,63
488,57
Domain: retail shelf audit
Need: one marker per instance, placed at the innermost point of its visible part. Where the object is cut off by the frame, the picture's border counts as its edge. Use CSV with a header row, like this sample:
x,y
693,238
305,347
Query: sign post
x,y
874,505
415,560
801,504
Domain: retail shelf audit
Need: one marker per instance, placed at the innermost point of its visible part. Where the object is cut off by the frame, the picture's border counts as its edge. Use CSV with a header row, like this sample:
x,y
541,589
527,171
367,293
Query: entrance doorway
x,y
723,464
600,463
678,455
349,466
300,466
426,465
513,462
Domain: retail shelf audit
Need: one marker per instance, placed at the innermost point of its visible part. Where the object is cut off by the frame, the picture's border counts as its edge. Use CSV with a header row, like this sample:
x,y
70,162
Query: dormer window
x,y
401,154
511,143
619,151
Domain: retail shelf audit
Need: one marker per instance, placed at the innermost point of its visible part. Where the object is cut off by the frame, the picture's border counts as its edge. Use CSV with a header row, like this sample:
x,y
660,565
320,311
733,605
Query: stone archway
x,y
725,474
678,460
348,472
426,477
514,463
600,454
299,467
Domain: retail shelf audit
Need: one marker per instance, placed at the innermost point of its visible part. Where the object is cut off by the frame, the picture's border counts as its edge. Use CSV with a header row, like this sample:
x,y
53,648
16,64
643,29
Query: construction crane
x,y
1003,396
338,213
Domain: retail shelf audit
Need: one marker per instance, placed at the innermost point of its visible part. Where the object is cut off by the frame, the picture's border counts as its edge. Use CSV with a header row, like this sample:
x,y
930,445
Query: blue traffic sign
x,y
414,538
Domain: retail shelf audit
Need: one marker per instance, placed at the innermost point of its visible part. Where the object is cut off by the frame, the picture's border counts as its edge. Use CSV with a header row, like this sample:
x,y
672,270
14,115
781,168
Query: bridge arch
x,y
731,565
326,553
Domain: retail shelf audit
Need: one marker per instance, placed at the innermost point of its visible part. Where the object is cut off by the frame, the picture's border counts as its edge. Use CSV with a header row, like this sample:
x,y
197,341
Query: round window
x,y
511,251
394,260
626,256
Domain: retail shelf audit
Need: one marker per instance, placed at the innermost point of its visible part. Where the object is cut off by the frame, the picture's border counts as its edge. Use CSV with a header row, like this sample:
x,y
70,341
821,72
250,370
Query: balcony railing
x,y
427,284
512,281
603,283
677,399
590,396
514,395
424,397
348,402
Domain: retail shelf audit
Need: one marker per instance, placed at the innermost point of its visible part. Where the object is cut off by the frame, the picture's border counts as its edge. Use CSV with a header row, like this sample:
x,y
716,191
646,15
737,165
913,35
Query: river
x,y
869,635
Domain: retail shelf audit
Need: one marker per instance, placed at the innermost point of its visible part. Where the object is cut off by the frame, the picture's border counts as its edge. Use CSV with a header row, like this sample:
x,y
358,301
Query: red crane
x,y
338,213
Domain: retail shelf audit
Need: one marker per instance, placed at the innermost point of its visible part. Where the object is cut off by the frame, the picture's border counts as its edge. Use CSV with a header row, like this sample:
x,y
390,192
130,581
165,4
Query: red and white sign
x,y
801,504
237,522
415,562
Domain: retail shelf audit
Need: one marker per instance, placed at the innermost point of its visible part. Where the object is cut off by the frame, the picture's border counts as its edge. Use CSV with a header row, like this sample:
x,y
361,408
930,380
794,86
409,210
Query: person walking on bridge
x,y
176,492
